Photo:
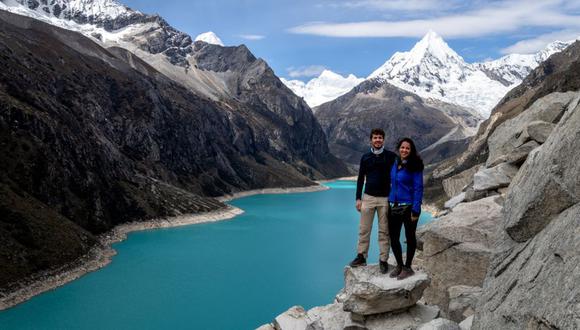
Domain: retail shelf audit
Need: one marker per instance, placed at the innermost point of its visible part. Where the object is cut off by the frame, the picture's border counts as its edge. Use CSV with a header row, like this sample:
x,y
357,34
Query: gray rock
x,y
456,184
455,200
294,318
534,285
403,320
370,292
467,323
513,132
462,301
457,247
548,181
539,130
472,195
440,324
268,326
495,177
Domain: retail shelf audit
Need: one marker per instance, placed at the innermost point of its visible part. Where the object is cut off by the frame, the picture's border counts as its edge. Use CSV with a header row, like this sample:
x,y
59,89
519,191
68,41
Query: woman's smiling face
x,y
405,150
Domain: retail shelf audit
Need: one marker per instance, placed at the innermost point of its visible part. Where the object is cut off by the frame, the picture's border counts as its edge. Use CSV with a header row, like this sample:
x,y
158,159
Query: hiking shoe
x,y
405,272
384,266
358,261
396,271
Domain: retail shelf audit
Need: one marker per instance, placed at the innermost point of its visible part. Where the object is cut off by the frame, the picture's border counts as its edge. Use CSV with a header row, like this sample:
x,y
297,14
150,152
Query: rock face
x,y
534,284
462,301
367,291
348,119
458,246
548,181
455,184
99,137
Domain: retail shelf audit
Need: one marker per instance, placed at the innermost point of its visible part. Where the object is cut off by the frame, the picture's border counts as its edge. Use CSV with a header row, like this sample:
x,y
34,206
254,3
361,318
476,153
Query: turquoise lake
x,y
285,250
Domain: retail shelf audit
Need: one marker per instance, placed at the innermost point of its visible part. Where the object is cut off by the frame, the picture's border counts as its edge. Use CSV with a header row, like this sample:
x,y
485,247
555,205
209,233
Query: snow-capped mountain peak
x,y
326,87
210,38
93,10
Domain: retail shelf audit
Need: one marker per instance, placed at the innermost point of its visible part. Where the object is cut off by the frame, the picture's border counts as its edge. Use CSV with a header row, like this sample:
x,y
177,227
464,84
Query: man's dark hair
x,y
377,131
414,163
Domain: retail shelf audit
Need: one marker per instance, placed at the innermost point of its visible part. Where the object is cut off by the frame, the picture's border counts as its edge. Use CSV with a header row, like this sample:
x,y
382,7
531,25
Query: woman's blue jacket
x,y
406,187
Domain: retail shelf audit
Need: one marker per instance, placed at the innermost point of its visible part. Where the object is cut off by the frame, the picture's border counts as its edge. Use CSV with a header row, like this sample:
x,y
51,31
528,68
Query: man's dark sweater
x,y
377,171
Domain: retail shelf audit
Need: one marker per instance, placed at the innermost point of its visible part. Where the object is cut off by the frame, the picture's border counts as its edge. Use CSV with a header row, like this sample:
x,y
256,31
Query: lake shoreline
x,y
102,253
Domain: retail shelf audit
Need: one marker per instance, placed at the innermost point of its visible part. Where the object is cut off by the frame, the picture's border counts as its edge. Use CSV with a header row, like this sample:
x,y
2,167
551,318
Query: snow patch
x,y
210,38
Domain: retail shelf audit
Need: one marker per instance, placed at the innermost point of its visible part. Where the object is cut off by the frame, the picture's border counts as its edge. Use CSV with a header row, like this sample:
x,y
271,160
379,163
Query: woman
x,y
405,204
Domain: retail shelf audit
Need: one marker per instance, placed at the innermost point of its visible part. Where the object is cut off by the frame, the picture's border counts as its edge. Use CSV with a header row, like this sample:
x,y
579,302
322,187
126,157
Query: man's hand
x,y
358,204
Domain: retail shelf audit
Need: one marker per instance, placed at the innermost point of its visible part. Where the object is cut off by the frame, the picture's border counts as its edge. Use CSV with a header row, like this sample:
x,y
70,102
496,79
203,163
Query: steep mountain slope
x,y
93,137
348,119
326,87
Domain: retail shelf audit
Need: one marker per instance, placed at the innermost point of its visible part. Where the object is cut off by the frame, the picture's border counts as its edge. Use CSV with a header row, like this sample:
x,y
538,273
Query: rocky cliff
x,y
525,251
93,137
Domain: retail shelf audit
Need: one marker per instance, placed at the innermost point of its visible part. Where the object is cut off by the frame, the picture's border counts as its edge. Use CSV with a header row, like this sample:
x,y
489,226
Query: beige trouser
x,y
370,204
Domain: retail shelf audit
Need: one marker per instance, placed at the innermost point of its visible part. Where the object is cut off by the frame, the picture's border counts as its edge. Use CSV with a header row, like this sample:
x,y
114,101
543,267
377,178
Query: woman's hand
x,y
414,216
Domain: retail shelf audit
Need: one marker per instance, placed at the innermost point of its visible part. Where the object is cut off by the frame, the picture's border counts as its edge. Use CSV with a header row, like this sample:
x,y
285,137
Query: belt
x,y
394,204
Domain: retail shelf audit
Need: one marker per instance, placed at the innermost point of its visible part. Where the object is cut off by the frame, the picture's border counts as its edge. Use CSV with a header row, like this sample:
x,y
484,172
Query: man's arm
x,y
359,183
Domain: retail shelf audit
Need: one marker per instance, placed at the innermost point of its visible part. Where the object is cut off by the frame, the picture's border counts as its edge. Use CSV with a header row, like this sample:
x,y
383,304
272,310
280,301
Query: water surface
x,y
285,250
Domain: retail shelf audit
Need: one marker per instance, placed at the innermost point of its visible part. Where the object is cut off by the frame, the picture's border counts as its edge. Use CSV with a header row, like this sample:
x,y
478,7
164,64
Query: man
x,y
375,169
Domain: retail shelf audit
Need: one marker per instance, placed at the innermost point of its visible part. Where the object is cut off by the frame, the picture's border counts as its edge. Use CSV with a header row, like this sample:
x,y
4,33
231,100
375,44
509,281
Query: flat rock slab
x,y
494,177
367,291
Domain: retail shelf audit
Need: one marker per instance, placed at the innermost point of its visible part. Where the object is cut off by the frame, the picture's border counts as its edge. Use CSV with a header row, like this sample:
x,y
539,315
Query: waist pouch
x,y
400,210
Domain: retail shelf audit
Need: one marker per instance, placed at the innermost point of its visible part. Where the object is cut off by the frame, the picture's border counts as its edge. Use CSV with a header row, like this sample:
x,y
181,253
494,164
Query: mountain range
x,y
432,69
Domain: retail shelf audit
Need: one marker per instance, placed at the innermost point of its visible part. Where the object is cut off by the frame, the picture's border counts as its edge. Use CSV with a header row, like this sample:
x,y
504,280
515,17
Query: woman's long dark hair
x,y
414,162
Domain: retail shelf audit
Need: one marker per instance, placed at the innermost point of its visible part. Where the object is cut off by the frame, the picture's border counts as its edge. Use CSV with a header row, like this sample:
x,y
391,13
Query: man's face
x,y
377,141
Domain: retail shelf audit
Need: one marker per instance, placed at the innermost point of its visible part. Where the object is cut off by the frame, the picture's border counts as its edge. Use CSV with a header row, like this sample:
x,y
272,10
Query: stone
x,y
266,327
294,318
547,183
466,324
472,195
331,316
534,284
455,200
462,301
367,291
513,132
457,247
439,324
456,184
495,177
403,320
539,130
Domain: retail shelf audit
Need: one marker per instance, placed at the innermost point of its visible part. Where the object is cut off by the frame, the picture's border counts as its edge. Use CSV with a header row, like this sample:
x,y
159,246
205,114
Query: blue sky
x,y
299,38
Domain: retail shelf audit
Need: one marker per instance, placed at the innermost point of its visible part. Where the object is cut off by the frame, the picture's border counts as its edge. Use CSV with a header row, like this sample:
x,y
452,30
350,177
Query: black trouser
x,y
396,221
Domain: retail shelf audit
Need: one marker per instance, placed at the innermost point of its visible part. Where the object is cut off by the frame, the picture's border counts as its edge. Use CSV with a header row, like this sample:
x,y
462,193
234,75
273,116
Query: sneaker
x,y
358,261
406,272
384,266
396,271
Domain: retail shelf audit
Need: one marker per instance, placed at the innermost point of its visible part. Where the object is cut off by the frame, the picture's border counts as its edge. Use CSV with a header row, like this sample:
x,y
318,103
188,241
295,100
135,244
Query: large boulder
x,y
548,181
495,177
456,184
462,301
458,246
367,291
534,285
516,131
334,317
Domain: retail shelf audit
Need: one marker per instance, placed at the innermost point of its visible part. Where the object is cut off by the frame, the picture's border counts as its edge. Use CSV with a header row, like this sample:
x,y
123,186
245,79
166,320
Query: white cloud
x,y
495,18
305,71
533,45
401,5
252,36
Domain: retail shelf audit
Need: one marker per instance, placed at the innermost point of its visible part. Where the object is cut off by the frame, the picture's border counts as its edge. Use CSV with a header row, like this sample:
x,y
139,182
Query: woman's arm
x,y
417,193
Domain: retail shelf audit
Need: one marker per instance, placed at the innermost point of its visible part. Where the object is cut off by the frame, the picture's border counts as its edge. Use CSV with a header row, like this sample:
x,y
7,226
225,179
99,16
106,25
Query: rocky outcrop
x,y
458,246
368,292
495,177
532,282
457,183
548,182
